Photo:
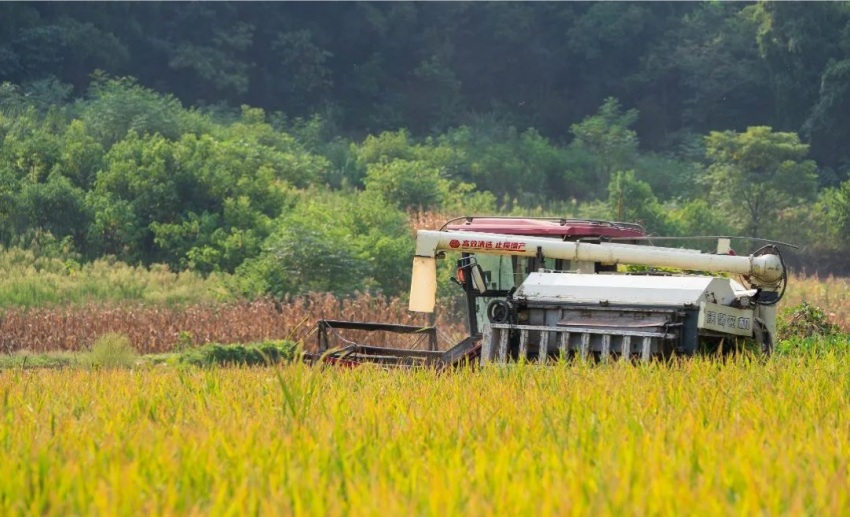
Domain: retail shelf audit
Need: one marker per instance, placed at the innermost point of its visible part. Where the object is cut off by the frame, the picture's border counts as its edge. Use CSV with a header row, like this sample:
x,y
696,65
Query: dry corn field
x,y
154,329
697,437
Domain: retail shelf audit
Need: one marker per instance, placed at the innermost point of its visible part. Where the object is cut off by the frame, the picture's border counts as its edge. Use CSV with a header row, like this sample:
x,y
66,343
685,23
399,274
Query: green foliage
x,y
298,259
218,66
519,165
253,354
132,179
31,145
117,106
835,203
805,321
714,53
113,350
816,345
608,137
338,242
407,184
499,100
698,217
204,202
632,200
800,47
55,206
689,67
426,175
824,127
756,174
462,167
669,177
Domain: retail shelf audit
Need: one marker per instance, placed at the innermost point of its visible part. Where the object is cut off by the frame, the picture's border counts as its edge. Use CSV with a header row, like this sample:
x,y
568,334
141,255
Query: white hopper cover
x,y
626,289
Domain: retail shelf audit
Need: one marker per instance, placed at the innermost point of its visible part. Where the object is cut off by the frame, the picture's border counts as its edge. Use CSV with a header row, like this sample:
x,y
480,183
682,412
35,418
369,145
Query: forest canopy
x,y
286,143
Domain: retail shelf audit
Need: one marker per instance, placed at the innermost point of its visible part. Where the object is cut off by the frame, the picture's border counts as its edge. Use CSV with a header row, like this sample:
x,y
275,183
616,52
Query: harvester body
x,y
541,289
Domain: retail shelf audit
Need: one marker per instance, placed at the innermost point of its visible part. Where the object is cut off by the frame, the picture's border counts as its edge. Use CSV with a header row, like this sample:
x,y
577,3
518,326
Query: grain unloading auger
x,y
540,289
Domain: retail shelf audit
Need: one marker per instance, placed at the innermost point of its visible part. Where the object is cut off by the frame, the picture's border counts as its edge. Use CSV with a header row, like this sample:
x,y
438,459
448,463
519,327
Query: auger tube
x,y
765,270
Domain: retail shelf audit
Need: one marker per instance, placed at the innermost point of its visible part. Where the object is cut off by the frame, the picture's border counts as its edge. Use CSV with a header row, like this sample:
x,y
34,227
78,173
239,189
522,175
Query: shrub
x,y
113,350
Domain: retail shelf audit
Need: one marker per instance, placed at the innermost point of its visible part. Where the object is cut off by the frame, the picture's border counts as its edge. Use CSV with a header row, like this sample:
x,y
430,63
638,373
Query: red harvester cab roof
x,y
569,229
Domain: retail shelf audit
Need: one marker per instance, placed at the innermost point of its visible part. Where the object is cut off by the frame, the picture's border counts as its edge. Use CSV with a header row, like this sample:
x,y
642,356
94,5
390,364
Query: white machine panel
x,y
625,289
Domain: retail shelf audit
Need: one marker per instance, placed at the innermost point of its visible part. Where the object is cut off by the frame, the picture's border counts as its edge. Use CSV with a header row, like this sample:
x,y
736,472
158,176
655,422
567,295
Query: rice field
x,y
697,437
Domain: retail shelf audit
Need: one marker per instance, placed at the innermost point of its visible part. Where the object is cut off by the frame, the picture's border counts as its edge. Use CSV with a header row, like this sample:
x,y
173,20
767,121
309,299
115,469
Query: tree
x,y
609,137
218,66
836,205
406,183
304,78
54,206
119,105
632,200
796,41
827,126
755,174
722,78
339,242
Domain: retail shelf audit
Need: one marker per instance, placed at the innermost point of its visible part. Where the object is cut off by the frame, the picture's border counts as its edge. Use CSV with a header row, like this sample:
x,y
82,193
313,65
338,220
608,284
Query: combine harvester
x,y
543,289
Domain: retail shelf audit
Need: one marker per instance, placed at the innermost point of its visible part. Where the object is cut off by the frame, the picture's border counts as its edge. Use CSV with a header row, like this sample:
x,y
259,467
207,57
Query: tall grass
x,y
29,280
697,437
832,294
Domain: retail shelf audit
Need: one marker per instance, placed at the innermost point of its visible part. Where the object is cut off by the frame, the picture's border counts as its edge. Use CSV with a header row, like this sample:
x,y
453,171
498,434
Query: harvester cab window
x,y
498,271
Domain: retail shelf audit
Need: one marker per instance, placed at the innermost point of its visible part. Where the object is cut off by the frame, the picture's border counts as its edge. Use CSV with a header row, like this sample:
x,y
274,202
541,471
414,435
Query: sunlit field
x,y
696,437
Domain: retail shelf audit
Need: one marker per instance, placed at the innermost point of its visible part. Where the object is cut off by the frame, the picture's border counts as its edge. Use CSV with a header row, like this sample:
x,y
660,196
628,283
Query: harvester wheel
x,y
499,311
